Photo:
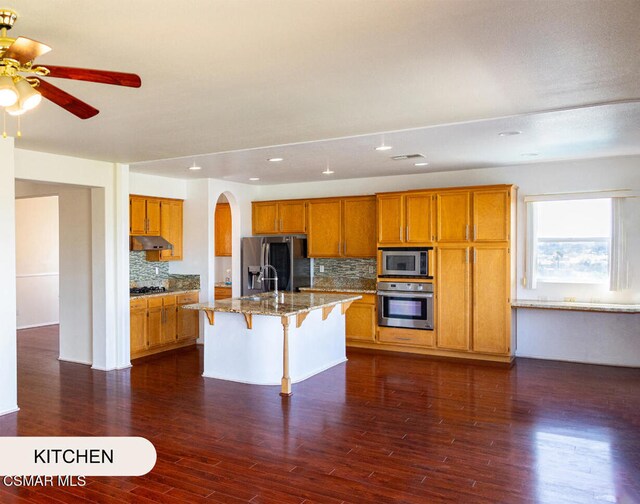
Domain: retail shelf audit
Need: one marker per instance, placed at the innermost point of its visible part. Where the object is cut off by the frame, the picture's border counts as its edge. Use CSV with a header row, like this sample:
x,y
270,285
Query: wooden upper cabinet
x,y
453,297
342,227
137,216
278,217
418,218
491,303
292,217
453,215
359,227
491,215
264,217
171,219
144,216
324,228
390,219
153,217
405,219
223,230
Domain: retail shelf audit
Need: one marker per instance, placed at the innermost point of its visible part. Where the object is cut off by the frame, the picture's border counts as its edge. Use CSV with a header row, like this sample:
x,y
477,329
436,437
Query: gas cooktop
x,y
146,290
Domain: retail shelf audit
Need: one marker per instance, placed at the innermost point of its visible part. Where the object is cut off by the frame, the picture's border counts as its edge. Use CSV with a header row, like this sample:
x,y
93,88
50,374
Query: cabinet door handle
x,y
466,232
400,233
474,256
406,234
475,229
402,339
466,256
280,224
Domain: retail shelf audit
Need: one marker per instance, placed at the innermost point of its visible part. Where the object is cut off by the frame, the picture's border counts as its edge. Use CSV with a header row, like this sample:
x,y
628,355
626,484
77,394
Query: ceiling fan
x,y
21,83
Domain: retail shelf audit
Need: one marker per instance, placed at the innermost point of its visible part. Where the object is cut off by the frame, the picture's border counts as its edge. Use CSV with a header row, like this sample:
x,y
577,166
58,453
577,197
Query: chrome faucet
x,y
261,277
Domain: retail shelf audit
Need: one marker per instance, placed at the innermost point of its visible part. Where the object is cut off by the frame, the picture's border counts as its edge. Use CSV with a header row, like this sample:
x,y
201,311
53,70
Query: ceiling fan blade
x,y
100,76
66,101
24,50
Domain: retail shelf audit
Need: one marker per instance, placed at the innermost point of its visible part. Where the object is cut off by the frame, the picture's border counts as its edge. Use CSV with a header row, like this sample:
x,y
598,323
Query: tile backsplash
x,y
143,272
345,268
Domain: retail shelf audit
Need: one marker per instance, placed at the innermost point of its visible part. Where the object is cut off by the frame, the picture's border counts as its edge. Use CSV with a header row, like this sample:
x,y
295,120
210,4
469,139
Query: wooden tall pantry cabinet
x,y
475,271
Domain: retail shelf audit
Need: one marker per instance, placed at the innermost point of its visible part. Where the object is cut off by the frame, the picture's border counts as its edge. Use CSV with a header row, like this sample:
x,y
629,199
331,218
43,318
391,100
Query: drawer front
x,y
222,292
412,337
169,301
190,298
154,302
138,304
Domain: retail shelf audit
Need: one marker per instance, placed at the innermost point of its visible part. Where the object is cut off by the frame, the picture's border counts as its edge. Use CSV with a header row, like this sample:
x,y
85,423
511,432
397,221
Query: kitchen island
x,y
269,340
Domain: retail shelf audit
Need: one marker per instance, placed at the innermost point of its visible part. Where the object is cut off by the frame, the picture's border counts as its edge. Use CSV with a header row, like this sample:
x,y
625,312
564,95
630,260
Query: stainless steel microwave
x,y
406,262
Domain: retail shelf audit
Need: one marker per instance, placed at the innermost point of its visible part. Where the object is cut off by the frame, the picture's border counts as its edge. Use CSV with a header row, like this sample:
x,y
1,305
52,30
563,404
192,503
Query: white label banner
x,y
76,456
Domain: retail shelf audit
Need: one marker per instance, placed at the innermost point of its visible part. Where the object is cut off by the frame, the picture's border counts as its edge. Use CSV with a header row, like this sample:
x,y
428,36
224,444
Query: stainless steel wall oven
x,y
405,304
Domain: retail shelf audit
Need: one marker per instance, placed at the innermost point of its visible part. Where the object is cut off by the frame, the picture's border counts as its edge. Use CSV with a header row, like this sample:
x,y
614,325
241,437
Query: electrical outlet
x,y
570,299
371,269
157,270
321,268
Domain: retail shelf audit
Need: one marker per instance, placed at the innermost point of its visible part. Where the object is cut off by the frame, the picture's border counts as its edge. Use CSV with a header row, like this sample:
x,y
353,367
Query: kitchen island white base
x,y
250,350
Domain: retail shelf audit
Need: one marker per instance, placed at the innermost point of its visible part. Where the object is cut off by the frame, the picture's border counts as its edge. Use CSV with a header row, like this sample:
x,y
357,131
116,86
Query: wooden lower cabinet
x,y
188,321
222,293
138,325
361,319
159,323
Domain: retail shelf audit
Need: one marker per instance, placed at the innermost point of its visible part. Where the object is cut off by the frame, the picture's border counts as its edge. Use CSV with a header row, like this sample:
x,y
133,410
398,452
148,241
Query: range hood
x,y
149,243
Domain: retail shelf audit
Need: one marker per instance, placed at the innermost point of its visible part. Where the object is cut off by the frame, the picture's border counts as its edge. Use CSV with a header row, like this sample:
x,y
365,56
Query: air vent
x,y
407,156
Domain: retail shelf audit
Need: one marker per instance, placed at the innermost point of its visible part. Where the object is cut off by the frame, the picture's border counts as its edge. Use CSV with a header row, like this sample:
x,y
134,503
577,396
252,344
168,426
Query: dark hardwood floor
x,y
381,428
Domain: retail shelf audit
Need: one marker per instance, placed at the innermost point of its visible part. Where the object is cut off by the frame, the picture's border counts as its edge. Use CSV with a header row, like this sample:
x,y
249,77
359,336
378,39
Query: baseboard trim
x,y
74,361
8,412
33,326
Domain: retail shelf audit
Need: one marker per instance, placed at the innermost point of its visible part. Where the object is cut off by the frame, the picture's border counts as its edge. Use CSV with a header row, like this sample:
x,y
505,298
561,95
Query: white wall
x,y
8,354
75,266
109,264
37,273
538,178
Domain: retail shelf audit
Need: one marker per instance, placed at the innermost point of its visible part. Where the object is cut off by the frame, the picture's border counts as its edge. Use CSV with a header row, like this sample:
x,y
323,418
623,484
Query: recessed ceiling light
x,y
194,167
420,164
384,148
327,172
509,133
254,179
276,159
529,154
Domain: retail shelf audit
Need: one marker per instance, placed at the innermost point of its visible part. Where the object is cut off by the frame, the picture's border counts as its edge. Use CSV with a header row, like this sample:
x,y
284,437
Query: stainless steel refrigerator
x,y
287,254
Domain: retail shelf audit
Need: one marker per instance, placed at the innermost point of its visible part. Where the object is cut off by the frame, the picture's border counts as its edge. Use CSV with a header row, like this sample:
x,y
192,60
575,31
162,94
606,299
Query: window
x,y
571,240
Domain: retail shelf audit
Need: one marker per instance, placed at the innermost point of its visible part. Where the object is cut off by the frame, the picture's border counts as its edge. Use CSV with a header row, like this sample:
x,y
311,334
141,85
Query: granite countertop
x,y
168,292
565,305
358,285
292,303
222,285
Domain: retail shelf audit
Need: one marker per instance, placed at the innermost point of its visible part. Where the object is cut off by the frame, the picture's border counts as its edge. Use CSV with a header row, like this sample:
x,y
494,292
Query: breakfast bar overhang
x,y
270,340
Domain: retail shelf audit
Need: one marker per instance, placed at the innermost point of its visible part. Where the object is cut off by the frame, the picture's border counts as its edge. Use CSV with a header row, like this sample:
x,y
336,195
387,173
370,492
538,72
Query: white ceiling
x,y
231,75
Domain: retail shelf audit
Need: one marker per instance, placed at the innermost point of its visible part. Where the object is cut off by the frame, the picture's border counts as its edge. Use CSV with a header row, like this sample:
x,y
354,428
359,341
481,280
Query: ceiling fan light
x,y
29,97
8,91
16,110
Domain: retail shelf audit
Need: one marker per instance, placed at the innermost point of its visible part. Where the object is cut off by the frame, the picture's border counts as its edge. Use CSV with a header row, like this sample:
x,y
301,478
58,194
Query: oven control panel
x,y
405,286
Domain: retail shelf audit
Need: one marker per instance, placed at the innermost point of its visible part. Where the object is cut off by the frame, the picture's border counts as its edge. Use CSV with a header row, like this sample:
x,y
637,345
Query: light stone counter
x,y
565,305
165,293
286,304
